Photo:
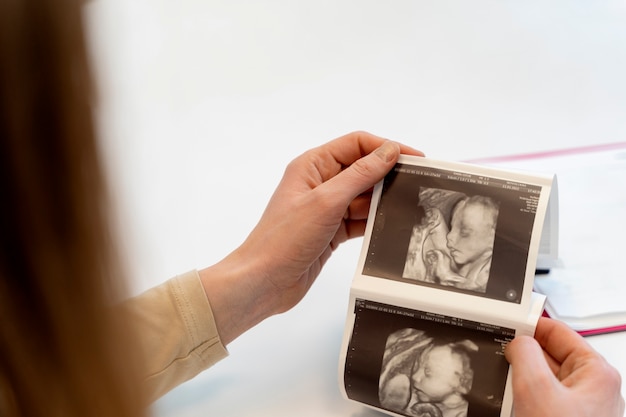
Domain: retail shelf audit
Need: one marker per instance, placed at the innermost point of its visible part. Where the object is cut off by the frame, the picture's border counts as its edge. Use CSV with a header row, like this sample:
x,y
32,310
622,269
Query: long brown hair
x,y
62,351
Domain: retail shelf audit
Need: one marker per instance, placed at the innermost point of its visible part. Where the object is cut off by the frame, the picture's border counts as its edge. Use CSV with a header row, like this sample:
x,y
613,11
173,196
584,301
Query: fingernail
x,y
387,151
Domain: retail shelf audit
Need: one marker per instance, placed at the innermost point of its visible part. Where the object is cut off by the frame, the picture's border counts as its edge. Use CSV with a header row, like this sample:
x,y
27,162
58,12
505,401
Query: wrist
x,y
237,294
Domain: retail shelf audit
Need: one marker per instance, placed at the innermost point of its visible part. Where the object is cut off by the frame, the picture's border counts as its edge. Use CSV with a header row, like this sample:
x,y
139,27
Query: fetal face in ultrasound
x,y
422,364
434,230
452,245
421,377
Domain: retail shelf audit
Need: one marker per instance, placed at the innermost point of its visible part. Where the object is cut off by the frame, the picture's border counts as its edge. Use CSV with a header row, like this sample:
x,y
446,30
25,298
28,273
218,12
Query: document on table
x,y
586,288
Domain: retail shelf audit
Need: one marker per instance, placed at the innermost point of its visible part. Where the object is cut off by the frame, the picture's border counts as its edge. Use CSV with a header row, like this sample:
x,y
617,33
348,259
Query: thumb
x,y
533,379
365,172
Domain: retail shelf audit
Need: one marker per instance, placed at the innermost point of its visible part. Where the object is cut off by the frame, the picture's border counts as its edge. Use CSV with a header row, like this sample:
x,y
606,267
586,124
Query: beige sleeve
x,y
177,331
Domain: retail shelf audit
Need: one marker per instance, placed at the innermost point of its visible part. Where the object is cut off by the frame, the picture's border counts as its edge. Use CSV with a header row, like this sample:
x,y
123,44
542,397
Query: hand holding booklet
x,y
444,281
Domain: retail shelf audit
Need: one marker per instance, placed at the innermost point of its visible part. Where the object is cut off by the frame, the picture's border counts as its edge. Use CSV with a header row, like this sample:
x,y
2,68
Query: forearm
x,y
176,330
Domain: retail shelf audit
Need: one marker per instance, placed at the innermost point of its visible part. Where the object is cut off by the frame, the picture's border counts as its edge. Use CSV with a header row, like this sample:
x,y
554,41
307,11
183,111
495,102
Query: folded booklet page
x,y
444,281
585,288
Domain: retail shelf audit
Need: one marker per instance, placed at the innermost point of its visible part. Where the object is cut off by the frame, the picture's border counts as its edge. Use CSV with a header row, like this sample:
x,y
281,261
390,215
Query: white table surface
x,y
202,104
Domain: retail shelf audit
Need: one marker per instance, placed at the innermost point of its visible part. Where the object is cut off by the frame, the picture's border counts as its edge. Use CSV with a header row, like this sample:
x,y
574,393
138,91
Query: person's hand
x,y
558,373
322,200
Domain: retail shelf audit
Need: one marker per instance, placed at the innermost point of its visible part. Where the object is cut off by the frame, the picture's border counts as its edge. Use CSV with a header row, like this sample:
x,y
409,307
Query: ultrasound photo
x,y
416,363
438,228
452,245
422,378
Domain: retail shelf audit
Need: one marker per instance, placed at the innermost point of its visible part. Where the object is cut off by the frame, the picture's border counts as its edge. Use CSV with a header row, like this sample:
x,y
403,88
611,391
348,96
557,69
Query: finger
x,y
558,340
355,228
350,230
332,157
363,174
532,374
359,207
353,146
554,365
526,350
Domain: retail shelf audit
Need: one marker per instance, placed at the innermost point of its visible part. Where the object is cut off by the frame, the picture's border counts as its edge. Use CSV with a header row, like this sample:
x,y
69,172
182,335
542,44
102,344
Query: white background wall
x,y
202,104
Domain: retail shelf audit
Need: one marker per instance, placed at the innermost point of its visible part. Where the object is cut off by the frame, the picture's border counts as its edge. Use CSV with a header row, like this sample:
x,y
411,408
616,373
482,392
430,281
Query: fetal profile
x,y
452,245
420,377
469,234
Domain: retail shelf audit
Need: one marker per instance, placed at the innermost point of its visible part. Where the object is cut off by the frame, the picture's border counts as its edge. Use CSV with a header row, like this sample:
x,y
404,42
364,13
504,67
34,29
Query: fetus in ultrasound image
x,y
421,377
452,244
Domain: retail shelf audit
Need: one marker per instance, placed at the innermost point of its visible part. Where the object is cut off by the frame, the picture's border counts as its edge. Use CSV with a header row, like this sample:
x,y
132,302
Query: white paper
x,y
586,288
